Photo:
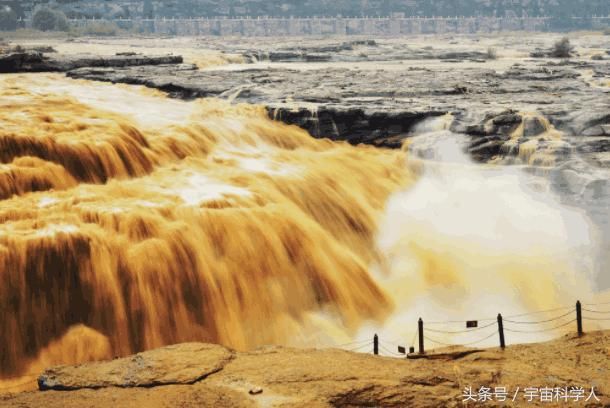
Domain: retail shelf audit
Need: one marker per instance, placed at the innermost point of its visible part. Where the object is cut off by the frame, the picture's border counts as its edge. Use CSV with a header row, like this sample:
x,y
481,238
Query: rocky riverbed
x,y
375,91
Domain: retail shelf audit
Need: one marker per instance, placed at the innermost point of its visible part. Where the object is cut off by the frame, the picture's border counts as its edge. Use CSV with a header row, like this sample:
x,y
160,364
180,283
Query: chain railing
x,y
525,323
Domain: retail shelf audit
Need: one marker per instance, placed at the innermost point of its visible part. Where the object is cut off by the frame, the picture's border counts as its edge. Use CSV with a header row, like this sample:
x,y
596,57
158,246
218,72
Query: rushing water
x,y
131,221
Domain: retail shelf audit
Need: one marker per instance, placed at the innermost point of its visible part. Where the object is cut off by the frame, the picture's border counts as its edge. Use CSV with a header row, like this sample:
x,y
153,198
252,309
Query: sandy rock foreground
x,y
201,375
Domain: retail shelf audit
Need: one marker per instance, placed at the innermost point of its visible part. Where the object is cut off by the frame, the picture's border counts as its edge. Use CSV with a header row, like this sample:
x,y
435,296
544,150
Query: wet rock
x,y
15,61
68,63
586,185
29,49
32,61
533,127
314,52
317,57
503,123
464,55
599,130
485,148
593,145
283,56
596,190
571,181
354,125
539,74
508,119
593,122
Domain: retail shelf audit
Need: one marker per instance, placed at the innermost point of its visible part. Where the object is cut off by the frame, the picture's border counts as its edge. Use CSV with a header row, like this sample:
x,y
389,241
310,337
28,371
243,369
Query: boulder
x,y
180,364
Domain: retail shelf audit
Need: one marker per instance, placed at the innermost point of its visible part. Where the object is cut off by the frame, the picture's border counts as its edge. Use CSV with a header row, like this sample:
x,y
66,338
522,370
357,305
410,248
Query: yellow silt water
x,y
131,221
536,150
216,224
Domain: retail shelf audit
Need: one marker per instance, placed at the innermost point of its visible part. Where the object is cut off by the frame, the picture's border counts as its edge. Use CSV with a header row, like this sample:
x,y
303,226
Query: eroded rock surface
x,y
387,88
33,60
182,364
284,377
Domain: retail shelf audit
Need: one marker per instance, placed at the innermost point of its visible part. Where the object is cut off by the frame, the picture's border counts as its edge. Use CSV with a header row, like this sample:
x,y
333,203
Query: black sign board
x,y
470,324
402,350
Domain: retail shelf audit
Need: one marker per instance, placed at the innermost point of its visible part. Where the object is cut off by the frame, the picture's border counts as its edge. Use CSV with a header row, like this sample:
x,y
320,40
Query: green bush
x,y
8,19
50,20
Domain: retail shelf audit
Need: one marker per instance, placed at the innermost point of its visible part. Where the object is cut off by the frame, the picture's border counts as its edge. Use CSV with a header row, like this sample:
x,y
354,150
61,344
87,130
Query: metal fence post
x,y
501,330
579,318
376,344
420,331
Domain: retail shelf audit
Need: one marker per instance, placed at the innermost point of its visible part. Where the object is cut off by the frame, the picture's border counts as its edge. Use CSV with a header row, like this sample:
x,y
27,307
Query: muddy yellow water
x,y
197,221
130,221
